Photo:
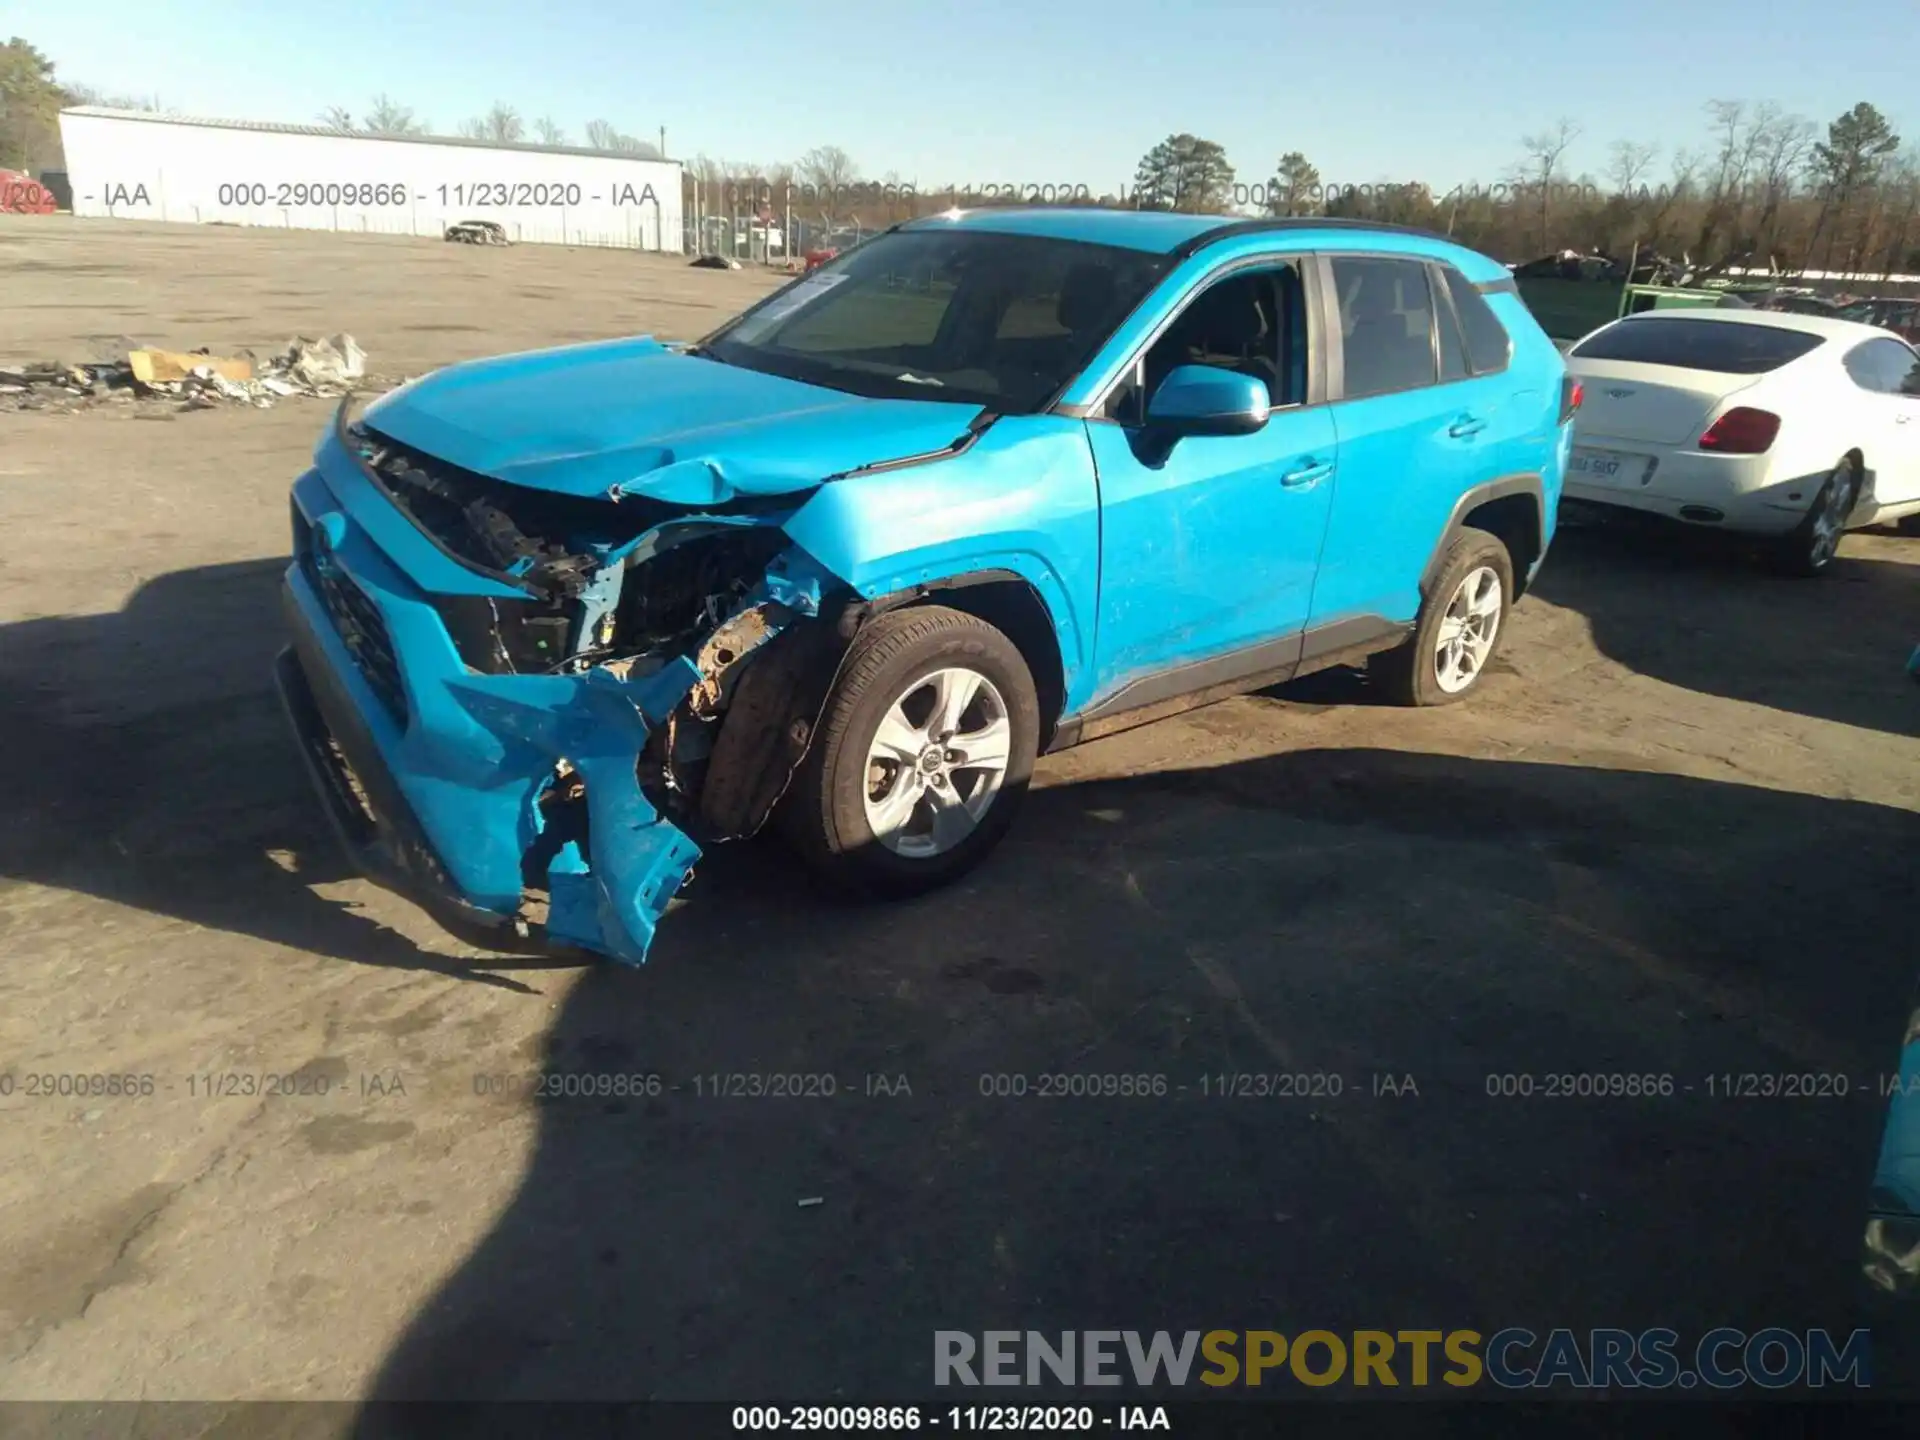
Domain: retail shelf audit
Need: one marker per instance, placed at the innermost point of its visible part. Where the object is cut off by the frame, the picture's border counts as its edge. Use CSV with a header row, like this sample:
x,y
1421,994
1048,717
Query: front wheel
x,y
924,753
1459,628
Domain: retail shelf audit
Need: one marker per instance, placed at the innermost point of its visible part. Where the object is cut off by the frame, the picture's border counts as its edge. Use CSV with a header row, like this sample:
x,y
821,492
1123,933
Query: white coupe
x,y
1791,427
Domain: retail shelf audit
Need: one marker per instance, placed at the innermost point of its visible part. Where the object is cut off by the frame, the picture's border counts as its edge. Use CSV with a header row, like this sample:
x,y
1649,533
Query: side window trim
x,y
1336,334
1443,295
1318,386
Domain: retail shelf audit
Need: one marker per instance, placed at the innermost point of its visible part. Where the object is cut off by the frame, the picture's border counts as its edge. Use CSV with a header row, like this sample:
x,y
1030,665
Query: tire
x,y
900,667
1810,547
1418,672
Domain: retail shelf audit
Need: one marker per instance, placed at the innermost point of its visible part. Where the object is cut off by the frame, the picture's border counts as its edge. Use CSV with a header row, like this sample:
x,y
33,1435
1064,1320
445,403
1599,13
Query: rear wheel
x,y
921,760
1810,547
1459,628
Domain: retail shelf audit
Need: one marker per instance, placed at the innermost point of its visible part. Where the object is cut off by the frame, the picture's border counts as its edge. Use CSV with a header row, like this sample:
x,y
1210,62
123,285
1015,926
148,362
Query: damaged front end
x,y
530,709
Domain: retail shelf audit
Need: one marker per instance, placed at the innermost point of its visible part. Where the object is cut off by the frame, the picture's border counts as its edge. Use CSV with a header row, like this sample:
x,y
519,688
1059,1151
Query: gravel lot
x,y
1675,835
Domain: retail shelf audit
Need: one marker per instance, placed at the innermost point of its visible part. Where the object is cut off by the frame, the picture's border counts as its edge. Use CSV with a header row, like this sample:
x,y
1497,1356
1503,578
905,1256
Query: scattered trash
x,y
195,379
478,232
813,1200
714,262
156,366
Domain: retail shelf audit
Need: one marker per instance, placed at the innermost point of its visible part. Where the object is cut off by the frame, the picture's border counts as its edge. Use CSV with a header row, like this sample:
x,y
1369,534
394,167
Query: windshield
x,y
1728,348
1000,321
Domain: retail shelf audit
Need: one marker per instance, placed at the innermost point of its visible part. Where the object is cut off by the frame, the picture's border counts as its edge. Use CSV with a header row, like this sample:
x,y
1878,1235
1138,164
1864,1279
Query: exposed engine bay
x,y
701,636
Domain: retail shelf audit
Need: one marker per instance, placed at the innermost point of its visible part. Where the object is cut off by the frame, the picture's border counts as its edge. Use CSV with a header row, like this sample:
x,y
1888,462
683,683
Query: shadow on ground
x,y
1689,608
150,765
1322,921
1345,914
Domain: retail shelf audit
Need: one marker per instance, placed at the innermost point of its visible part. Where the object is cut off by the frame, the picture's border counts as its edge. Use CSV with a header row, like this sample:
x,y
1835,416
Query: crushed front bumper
x,y
434,775
371,819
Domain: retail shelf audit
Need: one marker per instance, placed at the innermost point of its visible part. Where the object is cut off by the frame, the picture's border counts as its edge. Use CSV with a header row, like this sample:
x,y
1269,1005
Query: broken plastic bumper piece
x,y
433,775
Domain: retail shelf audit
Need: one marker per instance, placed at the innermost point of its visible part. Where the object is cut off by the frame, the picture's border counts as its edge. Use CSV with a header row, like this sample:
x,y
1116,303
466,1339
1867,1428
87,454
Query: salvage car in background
x,y
1792,428
1900,315
561,619
835,245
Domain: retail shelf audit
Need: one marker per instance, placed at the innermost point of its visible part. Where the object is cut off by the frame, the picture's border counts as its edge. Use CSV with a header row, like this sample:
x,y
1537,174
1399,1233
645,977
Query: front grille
x,y
357,621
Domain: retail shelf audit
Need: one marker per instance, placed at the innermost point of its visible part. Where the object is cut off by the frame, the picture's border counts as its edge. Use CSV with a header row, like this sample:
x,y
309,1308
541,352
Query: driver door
x,y
1209,550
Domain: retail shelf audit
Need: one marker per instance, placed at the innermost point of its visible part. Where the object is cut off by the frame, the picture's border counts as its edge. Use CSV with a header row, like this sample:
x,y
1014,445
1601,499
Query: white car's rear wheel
x,y
1810,547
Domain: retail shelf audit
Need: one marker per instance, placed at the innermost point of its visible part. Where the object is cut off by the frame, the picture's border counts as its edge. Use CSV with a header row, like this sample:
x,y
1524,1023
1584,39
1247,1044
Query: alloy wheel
x,y
1467,630
936,762
1830,520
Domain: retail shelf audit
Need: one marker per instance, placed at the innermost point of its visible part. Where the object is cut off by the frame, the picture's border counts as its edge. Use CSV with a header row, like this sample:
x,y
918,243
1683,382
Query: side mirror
x,y
1200,400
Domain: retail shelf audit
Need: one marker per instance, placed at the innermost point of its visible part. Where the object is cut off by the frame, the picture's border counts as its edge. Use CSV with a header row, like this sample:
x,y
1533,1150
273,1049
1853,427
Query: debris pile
x,y
478,232
188,380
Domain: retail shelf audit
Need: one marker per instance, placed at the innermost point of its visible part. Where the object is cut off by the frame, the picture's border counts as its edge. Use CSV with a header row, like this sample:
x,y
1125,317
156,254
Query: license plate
x,y
1610,467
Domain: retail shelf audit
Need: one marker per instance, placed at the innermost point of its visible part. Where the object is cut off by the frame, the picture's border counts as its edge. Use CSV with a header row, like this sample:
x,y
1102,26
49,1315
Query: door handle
x,y
1308,475
1901,419
1466,425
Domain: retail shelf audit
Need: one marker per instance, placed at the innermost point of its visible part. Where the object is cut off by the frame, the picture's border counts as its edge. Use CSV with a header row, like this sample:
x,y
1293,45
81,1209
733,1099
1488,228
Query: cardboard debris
x,y
197,379
152,366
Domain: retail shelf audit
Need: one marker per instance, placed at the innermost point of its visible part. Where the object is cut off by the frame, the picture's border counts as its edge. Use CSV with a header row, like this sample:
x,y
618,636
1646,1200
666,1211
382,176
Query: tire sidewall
x,y
1471,550
1843,472
844,767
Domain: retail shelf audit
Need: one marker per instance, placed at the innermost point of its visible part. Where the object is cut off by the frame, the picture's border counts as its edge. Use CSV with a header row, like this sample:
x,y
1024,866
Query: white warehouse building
x,y
135,165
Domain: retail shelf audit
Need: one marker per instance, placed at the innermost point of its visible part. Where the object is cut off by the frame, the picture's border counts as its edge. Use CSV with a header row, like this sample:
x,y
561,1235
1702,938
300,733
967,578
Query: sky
x,y
1060,92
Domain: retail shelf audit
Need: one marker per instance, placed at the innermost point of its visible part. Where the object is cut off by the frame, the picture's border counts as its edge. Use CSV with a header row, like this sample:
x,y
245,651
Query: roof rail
x,y
1233,228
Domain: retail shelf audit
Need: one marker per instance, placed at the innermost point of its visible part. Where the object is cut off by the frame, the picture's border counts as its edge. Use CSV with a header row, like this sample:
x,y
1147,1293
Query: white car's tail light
x,y
1572,392
1743,430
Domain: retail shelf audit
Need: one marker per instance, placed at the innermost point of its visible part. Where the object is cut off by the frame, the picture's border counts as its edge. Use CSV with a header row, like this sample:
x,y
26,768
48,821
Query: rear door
x,y
1416,429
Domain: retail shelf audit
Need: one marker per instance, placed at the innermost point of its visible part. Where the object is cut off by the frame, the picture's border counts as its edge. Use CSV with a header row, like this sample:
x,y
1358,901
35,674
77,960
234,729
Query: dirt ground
x,y
1675,835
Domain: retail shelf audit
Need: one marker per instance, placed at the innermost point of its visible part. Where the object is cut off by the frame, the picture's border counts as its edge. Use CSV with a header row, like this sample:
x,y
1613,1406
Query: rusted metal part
x,y
720,656
773,712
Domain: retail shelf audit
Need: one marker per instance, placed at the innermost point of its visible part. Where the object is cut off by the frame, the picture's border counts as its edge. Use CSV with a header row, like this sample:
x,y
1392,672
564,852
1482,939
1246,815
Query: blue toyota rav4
x,y
989,485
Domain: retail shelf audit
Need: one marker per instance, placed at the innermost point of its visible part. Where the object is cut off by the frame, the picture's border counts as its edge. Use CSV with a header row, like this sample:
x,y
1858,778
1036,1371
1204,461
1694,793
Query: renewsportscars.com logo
x,y
1514,1359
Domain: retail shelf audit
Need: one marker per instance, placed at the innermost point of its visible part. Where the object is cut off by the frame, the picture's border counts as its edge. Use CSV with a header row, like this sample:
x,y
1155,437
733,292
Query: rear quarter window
x,y
1489,347
1725,347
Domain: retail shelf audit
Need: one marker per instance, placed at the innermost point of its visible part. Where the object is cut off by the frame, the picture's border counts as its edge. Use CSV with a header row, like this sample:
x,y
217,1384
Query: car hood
x,y
633,417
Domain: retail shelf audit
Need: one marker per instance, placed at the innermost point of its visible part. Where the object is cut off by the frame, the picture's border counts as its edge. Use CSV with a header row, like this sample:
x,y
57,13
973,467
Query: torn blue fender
x,y
612,899
598,724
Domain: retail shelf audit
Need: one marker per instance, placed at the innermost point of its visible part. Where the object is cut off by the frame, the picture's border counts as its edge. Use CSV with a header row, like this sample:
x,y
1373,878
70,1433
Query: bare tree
x,y
385,117
827,173
336,117
109,100
602,135
1627,163
548,132
1541,166
1785,143
1738,142
501,125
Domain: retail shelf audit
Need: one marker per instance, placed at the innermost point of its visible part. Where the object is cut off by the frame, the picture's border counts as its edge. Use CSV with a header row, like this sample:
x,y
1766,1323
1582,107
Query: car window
x,y
1253,322
1908,381
1489,347
1885,366
1724,347
1000,321
1386,324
